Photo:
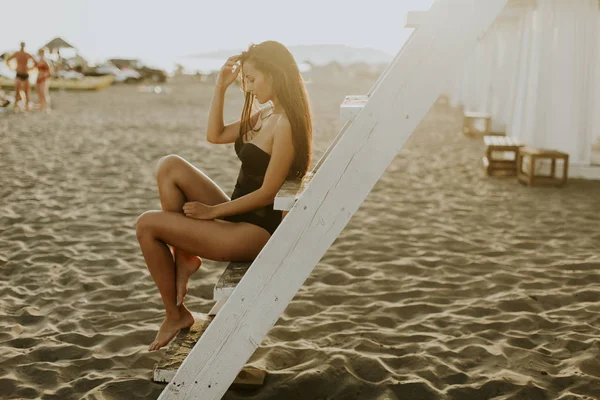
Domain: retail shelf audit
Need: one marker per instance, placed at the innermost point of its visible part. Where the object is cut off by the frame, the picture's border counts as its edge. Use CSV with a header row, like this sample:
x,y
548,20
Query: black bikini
x,y
22,77
252,173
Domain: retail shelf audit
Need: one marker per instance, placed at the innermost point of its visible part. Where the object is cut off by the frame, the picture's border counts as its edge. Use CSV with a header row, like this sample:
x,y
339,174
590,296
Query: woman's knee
x,y
144,225
167,165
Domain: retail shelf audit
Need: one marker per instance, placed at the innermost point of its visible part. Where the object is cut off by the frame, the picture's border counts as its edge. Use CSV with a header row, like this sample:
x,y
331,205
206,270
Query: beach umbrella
x,y
57,44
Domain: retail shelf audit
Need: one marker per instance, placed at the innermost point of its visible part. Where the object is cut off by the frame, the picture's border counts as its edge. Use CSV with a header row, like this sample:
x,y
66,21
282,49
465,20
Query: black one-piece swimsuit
x,y
252,174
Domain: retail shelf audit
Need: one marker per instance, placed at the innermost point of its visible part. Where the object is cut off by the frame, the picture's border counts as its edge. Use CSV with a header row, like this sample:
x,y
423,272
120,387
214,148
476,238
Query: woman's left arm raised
x,y
282,158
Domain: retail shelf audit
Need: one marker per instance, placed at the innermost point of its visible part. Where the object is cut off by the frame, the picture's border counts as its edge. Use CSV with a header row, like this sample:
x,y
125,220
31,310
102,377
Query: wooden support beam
x,y
351,106
427,60
415,19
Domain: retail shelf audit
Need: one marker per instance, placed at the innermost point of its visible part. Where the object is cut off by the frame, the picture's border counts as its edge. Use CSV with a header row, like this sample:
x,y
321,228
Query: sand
x,y
446,284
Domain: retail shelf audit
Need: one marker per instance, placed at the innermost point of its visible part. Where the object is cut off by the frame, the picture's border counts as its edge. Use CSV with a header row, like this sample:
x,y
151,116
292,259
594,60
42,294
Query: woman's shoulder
x,y
281,126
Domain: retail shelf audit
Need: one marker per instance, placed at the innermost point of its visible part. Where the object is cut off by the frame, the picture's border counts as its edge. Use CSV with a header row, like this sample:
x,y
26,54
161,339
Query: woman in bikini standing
x,y
198,220
42,84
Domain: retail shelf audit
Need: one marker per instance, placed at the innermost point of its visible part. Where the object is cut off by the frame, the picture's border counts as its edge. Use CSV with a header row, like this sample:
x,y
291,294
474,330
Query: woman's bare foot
x,y
169,328
185,266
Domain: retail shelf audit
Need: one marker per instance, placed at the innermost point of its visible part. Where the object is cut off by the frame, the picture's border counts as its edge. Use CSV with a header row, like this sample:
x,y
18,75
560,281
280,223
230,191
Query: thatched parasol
x,y
58,43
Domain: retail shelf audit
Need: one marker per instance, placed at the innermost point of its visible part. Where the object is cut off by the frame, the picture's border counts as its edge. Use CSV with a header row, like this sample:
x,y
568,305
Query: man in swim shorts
x,y
22,78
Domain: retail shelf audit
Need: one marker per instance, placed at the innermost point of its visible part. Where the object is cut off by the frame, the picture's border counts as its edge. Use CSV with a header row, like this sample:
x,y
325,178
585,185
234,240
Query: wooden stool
x,y
506,164
470,117
540,154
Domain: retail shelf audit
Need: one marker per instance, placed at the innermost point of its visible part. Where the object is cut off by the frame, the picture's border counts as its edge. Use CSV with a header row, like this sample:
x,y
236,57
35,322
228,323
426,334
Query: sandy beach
x,y
446,284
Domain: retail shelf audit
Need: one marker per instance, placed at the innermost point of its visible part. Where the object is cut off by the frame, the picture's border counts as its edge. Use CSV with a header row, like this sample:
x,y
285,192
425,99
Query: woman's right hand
x,y
229,72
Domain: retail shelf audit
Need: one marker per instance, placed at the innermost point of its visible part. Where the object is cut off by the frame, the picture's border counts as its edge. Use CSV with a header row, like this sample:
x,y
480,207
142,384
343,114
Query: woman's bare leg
x,y
46,88
179,182
160,263
216,240
39,87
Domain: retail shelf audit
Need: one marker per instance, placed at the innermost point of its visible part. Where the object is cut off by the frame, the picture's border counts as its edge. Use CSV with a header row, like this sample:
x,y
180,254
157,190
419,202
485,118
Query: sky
x,y
150,29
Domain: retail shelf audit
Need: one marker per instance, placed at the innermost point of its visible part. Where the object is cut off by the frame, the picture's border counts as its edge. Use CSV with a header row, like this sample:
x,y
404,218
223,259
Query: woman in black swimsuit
x,y
197,218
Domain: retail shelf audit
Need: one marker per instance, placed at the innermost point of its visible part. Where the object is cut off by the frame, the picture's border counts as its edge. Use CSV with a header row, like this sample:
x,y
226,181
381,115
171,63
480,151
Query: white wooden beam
x,y
351,106
229,279
415,19
427,60
289,193
381,78
216,307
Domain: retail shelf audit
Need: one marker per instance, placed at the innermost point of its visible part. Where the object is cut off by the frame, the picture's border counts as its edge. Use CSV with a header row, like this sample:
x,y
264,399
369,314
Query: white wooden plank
x,y
380,79
512,10
163,375
415,19
229,279
215,308
428,59
477,115
284,202
289,193
351,106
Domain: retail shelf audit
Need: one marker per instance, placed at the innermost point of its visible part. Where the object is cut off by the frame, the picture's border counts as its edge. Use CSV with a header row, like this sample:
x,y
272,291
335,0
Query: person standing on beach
x,y
22,78
197,218
43,81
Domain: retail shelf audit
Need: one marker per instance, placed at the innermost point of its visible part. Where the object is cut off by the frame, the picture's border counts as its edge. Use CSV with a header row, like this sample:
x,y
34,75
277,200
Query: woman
x,y
42,84
198,219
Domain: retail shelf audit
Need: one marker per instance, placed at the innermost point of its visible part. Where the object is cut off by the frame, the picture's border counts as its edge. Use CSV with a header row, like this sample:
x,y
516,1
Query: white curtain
x,y
484,83
595,102
522,90
555,92
537,72
505,36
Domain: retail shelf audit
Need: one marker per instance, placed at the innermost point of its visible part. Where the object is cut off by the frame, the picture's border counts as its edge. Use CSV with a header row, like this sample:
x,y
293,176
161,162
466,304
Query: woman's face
x,y
258,83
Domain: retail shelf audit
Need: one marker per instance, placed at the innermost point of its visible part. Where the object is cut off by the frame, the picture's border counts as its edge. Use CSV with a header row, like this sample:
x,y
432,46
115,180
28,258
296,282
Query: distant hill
x,y
320,54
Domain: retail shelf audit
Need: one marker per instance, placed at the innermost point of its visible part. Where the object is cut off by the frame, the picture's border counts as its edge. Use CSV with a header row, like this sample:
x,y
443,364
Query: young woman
x,y
43,81
198,219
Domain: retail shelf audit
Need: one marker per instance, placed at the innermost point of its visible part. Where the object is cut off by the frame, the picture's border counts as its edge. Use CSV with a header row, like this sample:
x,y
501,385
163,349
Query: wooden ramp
x,y
342,179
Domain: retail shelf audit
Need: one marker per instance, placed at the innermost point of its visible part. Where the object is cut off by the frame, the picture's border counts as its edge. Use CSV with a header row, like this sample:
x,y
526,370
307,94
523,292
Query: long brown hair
x,y
274,59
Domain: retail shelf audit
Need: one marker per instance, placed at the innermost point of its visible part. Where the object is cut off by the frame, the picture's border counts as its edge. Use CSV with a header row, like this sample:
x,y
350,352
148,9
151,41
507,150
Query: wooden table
x,y
501,155
470,117
530,178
